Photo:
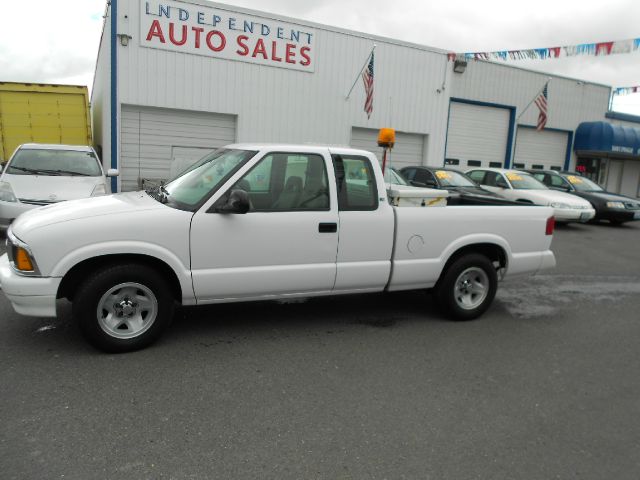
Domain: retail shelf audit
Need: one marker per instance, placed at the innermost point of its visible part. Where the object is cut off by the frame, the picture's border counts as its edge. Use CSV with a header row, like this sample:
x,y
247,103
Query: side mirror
x,y
237,202
113,172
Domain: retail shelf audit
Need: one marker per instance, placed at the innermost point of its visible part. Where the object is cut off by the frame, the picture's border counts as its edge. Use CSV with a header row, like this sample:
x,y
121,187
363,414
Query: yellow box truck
x,y
41,113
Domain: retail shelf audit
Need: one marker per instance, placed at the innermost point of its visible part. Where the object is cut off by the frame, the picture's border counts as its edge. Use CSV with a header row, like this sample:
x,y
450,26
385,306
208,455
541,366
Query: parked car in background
x,y
39,174
462,187
615,208
524,188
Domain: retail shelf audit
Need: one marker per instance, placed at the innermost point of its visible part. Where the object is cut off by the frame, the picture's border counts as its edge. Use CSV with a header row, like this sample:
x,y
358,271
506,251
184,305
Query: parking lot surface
x,y
545,385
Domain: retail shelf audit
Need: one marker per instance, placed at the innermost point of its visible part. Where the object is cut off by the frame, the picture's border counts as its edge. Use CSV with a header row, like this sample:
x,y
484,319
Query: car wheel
x,y
467,288
123,308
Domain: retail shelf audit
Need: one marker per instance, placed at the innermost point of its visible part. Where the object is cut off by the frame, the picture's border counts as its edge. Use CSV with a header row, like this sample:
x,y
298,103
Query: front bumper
x,y
9,211
32,296
619,215
573,214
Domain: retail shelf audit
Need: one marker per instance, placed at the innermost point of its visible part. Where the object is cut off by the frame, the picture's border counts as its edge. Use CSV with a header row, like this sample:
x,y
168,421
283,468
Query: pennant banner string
x,y
597,49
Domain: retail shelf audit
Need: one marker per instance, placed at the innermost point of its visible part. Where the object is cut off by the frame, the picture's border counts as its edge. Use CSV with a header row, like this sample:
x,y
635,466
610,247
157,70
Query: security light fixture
x,y
459,66
124,39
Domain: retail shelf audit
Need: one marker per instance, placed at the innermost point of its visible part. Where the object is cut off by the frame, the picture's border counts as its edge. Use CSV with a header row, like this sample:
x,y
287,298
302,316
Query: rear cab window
x,y
356,183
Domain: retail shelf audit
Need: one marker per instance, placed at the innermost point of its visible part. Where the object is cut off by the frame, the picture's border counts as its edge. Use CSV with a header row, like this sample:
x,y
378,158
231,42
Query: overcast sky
x,y
57,41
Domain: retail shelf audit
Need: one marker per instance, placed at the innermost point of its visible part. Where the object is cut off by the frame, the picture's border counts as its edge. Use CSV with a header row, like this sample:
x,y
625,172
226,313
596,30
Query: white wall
x,y
101,95
280,105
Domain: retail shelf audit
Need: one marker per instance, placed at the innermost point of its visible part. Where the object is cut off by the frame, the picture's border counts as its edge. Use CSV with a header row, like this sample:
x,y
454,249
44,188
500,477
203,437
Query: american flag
x,y
367,78
541,102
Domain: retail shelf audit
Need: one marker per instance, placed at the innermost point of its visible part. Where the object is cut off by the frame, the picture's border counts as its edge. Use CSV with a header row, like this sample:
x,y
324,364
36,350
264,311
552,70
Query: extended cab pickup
x,y
256,222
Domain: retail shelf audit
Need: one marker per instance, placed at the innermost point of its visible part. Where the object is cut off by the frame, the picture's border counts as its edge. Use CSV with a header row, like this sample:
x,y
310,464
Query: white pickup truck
x,y
258,222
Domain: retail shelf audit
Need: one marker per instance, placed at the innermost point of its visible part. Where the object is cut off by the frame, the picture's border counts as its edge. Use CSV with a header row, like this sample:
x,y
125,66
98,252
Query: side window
x,y
556,181
409,173
501,182
478,176
422,176
357,189
287,182
542,177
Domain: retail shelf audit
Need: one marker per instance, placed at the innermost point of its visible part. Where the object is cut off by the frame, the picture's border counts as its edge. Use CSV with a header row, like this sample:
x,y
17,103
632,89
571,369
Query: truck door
x,y
286,243
366,225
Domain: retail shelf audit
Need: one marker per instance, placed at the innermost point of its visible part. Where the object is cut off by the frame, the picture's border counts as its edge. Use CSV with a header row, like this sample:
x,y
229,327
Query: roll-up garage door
x,y
477,134
158,143
540,149
409,148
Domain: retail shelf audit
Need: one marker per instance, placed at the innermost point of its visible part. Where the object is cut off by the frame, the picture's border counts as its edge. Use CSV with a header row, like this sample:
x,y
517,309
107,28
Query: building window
x,y
556,168
474,163
518,165
537,167
495,164
451,161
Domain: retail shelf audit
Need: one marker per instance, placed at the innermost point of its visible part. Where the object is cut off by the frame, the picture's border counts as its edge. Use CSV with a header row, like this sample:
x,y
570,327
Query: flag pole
x,y
360,72
515,126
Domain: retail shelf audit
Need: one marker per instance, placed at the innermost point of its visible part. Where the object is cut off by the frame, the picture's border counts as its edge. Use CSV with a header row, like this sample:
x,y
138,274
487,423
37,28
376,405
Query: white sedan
x,y
523,187
39,174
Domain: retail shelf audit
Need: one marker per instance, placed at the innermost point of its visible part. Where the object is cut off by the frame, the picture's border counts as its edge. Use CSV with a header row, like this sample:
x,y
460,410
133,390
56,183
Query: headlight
x,y
6,192
20,255
615,204
99,190
559,205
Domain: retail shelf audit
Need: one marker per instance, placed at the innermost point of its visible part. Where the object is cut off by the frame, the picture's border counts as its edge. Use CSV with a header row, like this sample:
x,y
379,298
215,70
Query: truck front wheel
x,y
467,288
123,307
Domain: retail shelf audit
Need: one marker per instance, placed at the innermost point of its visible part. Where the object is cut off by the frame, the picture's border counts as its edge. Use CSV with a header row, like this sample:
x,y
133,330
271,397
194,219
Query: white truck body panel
x,y
263,255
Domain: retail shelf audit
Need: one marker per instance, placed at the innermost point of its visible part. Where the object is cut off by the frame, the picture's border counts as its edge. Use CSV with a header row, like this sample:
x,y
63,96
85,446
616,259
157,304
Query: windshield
x,y
583,184
447,178
196,183
32,161
394,177
524,181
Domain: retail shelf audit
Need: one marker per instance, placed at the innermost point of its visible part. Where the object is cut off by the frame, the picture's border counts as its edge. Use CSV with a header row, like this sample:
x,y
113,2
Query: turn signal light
x,y
22,260
551,223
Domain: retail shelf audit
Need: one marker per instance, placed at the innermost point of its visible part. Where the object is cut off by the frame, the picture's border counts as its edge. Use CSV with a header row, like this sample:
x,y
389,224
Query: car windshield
x,y
190,188
447,178
524,181
40,161
394,178
583,184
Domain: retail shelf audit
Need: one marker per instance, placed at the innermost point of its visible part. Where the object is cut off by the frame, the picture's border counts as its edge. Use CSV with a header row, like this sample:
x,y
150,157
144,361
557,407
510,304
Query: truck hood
x,y
52,188
116,204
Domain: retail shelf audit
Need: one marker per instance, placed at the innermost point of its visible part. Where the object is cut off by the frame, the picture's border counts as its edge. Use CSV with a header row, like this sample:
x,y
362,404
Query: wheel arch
x,y
496,253
81,270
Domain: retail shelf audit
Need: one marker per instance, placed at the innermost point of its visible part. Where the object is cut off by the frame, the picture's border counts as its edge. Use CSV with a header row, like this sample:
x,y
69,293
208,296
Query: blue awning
x,y
605,137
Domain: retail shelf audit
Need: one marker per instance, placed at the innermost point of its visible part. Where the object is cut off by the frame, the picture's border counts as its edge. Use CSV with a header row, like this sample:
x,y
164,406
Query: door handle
x,y
327,227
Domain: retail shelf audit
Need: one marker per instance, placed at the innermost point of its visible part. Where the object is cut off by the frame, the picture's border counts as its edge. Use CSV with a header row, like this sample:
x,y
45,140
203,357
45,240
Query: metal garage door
x,y
478,134
535,149
408,150
158,143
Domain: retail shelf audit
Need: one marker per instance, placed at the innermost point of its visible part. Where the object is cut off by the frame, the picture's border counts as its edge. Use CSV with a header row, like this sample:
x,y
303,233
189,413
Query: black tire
x,y
137,307
456,298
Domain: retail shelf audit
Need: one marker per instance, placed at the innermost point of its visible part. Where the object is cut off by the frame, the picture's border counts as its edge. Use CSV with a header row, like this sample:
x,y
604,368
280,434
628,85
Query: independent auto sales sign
x,y
217,33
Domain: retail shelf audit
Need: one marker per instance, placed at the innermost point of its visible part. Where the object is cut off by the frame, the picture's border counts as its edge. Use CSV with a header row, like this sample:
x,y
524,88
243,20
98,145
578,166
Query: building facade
x,y
176,79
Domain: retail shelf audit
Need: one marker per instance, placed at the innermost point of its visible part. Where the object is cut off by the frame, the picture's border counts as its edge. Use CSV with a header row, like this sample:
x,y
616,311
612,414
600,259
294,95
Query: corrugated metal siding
x,y
408,150
279,105
570,102
149,137
544,147
477,133
100,97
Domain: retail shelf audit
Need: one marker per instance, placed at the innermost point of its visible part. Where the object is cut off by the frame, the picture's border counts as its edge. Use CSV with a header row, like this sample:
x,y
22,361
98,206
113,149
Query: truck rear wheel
x,y
123,308
467,288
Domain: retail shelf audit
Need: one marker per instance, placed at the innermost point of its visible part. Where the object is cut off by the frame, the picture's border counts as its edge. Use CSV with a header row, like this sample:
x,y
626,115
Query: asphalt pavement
x,y
545,385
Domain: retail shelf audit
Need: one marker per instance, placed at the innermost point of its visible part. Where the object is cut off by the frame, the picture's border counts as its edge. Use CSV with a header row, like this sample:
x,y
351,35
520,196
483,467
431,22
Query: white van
x,y
38,174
